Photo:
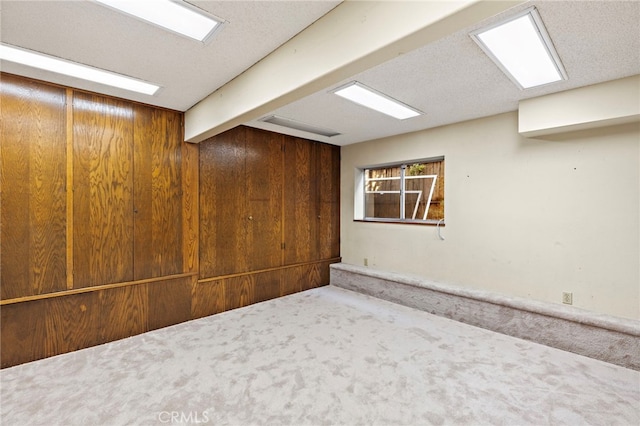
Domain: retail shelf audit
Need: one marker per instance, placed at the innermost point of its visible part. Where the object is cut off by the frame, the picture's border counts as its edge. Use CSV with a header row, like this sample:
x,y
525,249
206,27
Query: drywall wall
x,y
599,105
524,217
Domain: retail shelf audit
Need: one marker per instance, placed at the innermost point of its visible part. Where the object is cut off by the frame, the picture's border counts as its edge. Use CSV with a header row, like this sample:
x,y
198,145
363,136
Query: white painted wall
x,y
524,217
608,103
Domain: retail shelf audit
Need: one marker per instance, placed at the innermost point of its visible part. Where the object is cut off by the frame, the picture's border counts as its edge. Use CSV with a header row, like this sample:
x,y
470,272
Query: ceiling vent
x,y
296,125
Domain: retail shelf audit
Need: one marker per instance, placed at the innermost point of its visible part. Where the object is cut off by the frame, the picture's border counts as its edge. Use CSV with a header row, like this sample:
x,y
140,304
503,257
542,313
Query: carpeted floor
x,y
323,357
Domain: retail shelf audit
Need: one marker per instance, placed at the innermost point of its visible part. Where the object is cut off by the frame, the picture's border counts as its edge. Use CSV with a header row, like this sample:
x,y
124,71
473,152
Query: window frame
x,y
360,193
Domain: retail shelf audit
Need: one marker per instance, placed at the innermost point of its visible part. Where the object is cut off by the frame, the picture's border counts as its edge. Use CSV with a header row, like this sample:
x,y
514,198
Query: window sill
x,y
430,222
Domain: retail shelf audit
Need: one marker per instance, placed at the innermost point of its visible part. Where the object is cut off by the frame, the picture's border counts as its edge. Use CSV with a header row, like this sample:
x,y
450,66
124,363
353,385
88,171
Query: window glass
x,y
405,192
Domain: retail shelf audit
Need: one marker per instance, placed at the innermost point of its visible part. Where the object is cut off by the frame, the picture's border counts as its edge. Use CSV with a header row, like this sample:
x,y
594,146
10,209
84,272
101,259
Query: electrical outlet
x,y
366,262
567,298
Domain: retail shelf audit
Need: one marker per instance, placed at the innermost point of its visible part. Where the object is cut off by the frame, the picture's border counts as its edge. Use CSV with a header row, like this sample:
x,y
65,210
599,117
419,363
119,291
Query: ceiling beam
x,y
604,104
353,37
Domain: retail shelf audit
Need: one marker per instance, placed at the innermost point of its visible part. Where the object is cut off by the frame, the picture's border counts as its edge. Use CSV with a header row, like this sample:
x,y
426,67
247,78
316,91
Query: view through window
x,y
405,192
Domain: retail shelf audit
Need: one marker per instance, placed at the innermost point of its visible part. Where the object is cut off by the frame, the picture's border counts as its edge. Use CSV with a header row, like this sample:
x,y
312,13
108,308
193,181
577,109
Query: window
x,y
408,192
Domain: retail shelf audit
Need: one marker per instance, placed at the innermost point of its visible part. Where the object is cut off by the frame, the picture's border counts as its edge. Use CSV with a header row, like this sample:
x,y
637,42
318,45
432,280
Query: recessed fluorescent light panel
x,y
73,69
365,96
523,50
292,124
176,16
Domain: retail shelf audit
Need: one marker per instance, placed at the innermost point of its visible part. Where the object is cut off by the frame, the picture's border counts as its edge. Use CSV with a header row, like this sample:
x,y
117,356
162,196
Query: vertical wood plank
x,y
267,286
239,291
223,213
312,276
15,150
190,218
33,174
123,312
328,194
23,332
147,127
300,201
157,192
69,187
325,273
291,280
264,196
72,323
103,196
169,302
167,200
208,299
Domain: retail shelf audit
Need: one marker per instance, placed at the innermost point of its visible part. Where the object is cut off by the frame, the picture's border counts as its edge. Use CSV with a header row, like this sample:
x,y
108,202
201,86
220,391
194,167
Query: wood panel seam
x,y
277,268
94,288
69,187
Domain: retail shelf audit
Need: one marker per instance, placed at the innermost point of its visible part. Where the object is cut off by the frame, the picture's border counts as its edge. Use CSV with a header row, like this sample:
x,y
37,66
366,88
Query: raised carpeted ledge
x,y
600,336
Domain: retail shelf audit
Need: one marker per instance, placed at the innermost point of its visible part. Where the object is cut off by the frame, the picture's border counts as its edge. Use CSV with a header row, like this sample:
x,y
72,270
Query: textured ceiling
x,y
450,80
92,34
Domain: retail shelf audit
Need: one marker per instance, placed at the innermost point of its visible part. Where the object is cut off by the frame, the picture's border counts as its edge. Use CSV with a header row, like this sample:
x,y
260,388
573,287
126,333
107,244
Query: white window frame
x,y
360,192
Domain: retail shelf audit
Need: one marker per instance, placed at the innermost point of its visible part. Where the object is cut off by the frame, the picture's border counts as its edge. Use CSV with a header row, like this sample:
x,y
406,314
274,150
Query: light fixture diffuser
x,y
365,96
522,49
50,63
176,16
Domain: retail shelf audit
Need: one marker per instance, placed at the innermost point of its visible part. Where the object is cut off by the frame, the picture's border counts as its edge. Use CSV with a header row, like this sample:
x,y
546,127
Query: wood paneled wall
x,y
280,237
97,235
33,214
112,226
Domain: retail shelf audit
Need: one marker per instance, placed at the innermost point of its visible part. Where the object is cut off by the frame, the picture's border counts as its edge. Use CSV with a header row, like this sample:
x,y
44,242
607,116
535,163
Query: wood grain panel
x,y
72,323
291,280
167,204
69,186
169,302
300,198
325,272
123,312
312,276
267,286
147,129
15,150
103,182
304,277
208,299
23,333
33,177
239,292
190,190
328,190
158,192
223,214
264,199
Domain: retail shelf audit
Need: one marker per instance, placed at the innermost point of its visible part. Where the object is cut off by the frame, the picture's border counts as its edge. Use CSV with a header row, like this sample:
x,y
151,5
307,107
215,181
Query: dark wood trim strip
x,y
94,288
69,186
277,268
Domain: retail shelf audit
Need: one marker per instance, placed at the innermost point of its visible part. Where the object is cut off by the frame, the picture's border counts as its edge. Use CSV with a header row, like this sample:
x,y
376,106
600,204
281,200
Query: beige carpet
x,y
323,357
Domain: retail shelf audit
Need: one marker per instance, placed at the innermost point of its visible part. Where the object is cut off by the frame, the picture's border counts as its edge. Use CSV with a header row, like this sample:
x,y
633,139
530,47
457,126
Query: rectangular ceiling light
x,y
365,96
523,50
73,69
297,125
177,16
